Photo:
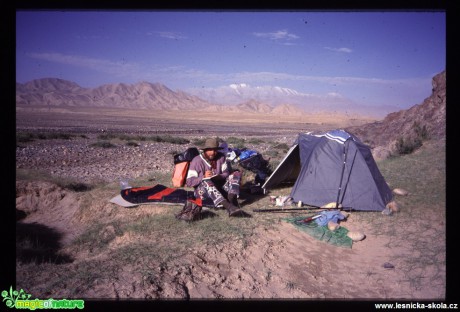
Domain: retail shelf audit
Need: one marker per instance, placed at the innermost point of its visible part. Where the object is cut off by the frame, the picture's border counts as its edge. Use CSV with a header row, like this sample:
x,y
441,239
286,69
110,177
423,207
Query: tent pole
x,y
345,152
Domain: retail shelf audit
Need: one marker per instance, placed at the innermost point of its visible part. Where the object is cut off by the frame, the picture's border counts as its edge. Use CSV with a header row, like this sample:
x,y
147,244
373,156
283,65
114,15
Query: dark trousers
x,y
218,193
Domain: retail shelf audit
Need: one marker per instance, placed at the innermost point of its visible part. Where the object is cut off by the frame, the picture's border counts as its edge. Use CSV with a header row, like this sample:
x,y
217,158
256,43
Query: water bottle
x,y
124,184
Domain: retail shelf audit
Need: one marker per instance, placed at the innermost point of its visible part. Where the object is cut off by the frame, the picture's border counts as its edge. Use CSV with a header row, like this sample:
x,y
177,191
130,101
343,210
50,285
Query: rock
x,y
392,206
356,236
332,205
388,265
332,226
400,191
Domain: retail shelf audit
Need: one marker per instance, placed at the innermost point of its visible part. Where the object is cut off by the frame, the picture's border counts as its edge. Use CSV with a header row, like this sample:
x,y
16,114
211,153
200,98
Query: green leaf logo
x,y
13,295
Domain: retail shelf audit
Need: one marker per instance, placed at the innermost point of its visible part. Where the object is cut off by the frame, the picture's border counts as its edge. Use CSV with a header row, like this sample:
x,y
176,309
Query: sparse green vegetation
x,y
24,137
155,138
276,153
273,153
273,164
255,141
132,143
98,235
236,142
65,183
407,145
103,144
281,146
198,142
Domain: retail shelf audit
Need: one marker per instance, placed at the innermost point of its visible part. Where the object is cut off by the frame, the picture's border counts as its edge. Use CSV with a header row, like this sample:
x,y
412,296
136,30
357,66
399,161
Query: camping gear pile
x,y
249,160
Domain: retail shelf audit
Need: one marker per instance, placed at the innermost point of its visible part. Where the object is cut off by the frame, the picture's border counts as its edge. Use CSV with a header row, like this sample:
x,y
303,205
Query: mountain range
x,y
145,95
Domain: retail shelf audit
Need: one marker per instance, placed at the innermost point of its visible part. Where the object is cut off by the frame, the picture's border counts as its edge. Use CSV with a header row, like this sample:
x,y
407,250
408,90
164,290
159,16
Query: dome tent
x,y
332,167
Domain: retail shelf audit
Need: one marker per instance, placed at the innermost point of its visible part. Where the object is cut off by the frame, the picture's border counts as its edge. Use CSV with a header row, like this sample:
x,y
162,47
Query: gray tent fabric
x,y
288,169
333,166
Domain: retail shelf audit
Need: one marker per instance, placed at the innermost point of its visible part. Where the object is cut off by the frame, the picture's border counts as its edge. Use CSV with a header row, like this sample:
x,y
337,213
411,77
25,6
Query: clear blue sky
x,y
373,58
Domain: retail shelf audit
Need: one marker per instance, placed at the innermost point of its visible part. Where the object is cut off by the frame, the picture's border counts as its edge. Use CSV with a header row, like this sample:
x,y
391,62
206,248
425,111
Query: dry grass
x,y
419,229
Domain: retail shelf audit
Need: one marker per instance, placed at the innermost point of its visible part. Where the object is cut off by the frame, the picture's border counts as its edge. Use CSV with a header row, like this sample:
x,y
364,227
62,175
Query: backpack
x,y
181,165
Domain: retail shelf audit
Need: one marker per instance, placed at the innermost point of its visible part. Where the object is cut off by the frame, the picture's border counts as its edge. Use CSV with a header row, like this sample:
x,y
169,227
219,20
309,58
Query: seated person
x,y
210,176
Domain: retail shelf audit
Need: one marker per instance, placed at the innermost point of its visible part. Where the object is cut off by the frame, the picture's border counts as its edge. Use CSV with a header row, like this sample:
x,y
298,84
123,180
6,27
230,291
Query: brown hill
x,y
287,109
143,95
427,119
258,107
254,106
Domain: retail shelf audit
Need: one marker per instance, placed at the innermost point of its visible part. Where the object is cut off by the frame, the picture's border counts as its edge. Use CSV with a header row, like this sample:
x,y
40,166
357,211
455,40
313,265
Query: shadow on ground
x,y
37,243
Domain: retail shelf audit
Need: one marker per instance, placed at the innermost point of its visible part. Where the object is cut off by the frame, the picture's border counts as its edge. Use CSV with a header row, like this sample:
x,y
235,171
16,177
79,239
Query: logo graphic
x,y
12,296
21,300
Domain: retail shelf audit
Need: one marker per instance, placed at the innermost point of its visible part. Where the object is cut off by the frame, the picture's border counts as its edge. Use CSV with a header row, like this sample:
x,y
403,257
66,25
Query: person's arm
x,y
224,169
195,173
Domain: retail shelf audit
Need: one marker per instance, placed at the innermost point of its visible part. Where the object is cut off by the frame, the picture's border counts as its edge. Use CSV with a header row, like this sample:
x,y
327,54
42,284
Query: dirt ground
x,y
278,261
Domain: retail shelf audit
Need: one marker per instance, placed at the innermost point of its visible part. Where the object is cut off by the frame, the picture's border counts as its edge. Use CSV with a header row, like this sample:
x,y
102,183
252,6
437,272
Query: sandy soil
x,y
278,262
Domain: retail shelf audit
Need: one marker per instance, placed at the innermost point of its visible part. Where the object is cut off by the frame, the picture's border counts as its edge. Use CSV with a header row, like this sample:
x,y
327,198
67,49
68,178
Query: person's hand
x,y
208,174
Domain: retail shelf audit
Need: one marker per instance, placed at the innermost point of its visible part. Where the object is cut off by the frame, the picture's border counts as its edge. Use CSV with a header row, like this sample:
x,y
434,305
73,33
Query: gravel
x,y
77,158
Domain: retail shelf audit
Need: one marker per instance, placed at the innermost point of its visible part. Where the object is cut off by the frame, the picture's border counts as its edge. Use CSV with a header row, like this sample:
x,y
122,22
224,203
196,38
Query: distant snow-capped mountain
x,y
238,93
274,95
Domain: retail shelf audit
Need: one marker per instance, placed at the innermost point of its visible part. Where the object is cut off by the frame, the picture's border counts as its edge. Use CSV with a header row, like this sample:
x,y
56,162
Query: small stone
x,y
388,265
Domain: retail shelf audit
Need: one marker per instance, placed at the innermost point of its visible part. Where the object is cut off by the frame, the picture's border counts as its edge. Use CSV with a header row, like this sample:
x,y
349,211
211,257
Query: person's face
x,y
210,153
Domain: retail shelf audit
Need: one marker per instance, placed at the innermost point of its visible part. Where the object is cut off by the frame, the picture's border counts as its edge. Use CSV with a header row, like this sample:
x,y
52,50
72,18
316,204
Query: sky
x,y
369,58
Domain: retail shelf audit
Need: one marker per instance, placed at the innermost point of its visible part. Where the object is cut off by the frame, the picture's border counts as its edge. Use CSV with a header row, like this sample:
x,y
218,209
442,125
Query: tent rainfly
x,y
332,167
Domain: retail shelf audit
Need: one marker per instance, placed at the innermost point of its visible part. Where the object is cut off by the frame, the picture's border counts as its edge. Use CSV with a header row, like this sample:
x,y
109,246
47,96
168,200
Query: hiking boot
x,y
190,212
233,199
233,211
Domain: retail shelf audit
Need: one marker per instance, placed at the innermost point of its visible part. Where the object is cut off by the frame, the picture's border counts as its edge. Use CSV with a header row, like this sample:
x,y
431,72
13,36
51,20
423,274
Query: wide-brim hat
x,y
211,143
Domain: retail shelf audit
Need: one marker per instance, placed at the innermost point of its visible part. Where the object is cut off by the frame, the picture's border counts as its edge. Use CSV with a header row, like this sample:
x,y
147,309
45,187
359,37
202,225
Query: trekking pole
x,y
284,209
295,209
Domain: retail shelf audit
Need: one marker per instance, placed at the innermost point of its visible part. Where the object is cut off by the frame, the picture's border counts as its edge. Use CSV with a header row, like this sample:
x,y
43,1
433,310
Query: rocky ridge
x,y
430,115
